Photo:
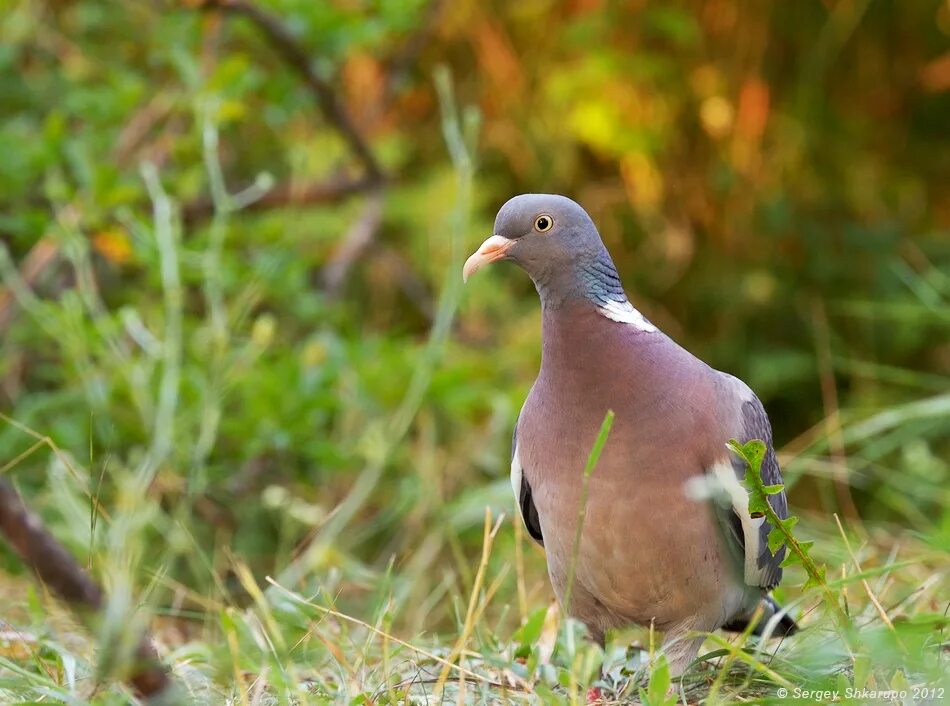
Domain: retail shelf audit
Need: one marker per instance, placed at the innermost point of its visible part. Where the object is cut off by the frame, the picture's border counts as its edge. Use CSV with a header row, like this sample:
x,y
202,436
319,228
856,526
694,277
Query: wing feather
x,y
749,535
522,491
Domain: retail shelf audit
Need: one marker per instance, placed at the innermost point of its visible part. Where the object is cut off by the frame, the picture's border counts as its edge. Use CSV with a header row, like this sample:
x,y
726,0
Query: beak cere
x,y
494,248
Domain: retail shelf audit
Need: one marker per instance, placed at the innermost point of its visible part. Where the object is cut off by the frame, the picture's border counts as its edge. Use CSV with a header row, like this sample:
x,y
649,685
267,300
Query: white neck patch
x,y
625,313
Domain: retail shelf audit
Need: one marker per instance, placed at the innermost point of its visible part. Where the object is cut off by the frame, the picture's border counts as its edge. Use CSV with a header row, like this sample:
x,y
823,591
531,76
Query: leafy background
x,y
231,315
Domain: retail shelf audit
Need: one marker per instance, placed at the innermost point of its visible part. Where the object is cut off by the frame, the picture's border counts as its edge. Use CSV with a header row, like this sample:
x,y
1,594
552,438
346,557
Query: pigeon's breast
x,y
646,551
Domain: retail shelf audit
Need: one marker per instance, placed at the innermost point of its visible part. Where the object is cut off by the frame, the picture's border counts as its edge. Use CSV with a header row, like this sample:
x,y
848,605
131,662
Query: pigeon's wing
x,y
522,491
749,534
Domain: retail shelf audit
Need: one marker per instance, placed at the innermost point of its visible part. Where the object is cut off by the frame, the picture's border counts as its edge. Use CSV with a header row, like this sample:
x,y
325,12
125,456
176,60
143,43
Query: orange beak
x,y
492,250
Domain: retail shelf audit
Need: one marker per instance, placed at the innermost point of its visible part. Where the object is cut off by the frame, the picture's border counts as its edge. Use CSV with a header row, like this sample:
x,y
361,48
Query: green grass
x,y
304,497
260,641
303,615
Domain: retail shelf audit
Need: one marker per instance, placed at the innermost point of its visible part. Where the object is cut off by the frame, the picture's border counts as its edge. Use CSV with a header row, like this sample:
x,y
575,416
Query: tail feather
x,y
774,621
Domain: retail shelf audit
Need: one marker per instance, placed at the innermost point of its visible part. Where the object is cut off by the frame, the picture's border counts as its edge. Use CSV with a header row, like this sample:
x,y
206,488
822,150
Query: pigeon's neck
x,y
591,279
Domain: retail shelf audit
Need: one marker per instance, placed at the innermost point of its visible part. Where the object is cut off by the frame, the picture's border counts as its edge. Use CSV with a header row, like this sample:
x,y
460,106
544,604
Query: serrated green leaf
x,y
752,452
776,539
817,580
773,489
791,558
757,504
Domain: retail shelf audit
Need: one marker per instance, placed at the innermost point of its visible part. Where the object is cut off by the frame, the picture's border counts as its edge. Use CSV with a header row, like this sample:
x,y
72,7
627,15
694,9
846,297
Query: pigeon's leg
x,y
597,635
595,694
680,650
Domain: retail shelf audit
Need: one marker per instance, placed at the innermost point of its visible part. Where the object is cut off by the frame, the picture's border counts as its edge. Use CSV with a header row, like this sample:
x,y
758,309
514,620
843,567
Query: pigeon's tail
x,y
774,622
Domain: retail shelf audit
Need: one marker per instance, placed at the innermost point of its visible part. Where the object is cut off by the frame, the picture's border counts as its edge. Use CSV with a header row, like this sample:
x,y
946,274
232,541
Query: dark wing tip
x,y
786,623
529,512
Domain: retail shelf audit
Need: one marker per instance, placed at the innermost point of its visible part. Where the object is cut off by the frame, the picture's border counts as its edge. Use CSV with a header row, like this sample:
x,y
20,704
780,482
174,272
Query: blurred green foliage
x,y
771,179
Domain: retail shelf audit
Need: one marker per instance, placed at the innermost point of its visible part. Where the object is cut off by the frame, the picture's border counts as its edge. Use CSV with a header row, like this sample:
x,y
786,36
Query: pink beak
x,y
494,248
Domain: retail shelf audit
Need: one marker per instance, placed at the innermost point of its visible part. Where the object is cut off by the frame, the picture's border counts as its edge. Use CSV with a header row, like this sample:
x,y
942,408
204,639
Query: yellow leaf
x,y
642,181
716,114
113,245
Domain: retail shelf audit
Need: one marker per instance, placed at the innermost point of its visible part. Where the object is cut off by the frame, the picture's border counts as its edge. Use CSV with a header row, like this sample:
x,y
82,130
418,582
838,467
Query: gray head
x,y
554,240
544,234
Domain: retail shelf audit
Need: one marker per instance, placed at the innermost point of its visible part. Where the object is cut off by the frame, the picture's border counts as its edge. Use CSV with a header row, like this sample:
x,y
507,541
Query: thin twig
x,y
356,241
286,45
331,191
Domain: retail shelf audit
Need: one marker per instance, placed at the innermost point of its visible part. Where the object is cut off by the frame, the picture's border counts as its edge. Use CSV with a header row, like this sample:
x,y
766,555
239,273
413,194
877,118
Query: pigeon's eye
x,y
543,223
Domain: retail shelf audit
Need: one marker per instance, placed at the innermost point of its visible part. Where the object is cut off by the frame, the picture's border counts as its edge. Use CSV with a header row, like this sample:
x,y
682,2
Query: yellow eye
x,y
543,223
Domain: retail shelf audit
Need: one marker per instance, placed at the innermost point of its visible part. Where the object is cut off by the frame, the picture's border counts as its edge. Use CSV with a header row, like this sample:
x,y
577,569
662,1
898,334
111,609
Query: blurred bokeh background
x,y
232,235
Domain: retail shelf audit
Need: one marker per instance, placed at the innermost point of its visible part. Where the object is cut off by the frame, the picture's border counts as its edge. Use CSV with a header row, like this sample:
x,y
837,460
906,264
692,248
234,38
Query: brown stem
x,y
285,44
357,239
327,192
55,568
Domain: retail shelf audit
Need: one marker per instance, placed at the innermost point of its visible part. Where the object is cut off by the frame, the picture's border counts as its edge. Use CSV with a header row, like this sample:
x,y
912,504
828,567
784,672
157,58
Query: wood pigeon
x,y
667,538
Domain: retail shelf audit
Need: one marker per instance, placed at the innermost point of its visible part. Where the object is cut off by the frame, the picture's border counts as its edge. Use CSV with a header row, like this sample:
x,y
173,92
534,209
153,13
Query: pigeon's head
x,y
541,233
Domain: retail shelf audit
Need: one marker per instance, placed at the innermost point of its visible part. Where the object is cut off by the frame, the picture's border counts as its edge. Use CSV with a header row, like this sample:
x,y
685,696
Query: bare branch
x,y
286,45
47,558
331,191
357,239
57,570
363,231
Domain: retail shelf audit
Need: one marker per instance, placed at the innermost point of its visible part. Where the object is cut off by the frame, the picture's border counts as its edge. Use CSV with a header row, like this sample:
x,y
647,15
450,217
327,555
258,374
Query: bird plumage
x,y
652,549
